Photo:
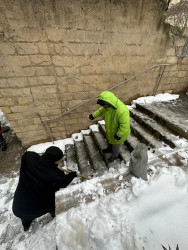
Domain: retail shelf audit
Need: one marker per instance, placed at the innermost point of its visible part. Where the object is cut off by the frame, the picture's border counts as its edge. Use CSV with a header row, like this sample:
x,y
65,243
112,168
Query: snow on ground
x,y
158,98
3,119
145,215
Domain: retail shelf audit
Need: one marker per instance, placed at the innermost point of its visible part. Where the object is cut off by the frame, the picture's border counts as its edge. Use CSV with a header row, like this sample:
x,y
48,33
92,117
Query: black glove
x,y
73,174
91,117
117,137
3,144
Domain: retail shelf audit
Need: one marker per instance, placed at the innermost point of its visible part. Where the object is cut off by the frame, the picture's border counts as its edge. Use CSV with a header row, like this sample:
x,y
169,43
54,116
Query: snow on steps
x,y
86,156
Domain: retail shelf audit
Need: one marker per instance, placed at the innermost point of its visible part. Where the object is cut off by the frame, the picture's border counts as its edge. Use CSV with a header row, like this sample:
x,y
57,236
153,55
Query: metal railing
x,y
76,107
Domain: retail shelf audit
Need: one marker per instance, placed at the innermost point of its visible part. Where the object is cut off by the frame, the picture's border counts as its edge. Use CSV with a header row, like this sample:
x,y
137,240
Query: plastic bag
x,y
138,161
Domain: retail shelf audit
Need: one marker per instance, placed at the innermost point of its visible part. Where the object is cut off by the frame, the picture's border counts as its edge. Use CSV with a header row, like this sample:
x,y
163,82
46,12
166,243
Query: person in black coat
x,y
3,144
39,180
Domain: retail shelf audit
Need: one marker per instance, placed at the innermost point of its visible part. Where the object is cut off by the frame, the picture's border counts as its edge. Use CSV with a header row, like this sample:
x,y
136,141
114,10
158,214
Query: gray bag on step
x,y
138,161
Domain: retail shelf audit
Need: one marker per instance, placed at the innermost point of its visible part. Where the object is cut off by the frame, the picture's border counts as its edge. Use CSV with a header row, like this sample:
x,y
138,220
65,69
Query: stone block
x,y
58,129
55,34
174,80
12,92
7,48
14,116
182,74
25,71
40,60
46,80
170,52
88,70
75,88
52,125
59,49
2,102
17,129
72,70
15,60
60,71
9,101
183,80
53,112
77,36
43,48
62,61
172,60
5,110
37,121
43,91
26,48
44,71
94,37
17,82
19,109
52,105
23,101
26,123
3,83
80,61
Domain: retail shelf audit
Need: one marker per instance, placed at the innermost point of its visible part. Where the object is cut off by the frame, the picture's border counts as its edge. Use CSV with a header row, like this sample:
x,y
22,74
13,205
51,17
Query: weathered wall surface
x,y
55,54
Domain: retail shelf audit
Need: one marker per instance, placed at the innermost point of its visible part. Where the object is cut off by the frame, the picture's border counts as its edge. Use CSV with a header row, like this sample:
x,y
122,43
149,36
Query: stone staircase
x,y
146,127
153,125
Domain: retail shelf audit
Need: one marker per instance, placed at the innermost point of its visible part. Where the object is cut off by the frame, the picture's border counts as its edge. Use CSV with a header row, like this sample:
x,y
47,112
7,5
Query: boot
x,y
107,150
26,224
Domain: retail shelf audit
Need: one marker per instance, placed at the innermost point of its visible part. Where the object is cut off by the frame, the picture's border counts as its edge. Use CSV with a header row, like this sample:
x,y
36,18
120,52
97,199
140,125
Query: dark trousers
x,y
115,148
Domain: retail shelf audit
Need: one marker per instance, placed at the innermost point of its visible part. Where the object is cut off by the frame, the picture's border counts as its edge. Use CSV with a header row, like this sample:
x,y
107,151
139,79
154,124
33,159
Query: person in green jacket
x,y
117,122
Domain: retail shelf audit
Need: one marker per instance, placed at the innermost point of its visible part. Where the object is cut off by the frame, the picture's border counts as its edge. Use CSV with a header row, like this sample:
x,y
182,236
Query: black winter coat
x,y
38,182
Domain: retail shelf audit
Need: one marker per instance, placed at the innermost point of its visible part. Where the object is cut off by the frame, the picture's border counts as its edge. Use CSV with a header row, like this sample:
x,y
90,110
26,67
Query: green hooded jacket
x,y
117,119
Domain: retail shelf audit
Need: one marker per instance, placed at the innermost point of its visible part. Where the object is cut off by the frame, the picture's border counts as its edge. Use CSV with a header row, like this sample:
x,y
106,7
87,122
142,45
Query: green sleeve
x,y
99,112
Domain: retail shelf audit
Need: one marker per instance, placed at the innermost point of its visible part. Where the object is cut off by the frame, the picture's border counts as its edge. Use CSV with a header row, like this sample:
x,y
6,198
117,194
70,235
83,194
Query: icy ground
x,y
146,215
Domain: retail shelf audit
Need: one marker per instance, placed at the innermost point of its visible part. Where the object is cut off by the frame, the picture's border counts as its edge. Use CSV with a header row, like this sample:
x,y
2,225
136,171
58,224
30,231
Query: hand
x,y
90,117
74,174
116,138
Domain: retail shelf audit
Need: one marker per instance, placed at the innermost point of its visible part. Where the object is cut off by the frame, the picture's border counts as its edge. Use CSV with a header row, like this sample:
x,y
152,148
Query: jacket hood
x,y
109,97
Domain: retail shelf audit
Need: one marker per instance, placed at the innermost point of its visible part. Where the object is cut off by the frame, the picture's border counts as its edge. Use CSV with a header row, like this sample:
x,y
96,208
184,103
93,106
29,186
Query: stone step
x,y
154,127
124,149
131,142
76,195
144,135
71,159
102,128
162,117
84,164
95,156
125,153
101,144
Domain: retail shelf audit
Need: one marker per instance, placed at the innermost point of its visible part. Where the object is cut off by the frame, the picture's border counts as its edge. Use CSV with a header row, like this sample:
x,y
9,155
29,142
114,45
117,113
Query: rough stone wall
x,y
55,54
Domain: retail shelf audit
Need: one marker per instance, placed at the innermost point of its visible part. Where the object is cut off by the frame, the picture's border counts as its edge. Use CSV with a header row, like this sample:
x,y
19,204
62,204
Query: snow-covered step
x,y
95,156
86,193
102,129
84,165
154,127
125,153
131,142
164,118
101,144
144,135
71,159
